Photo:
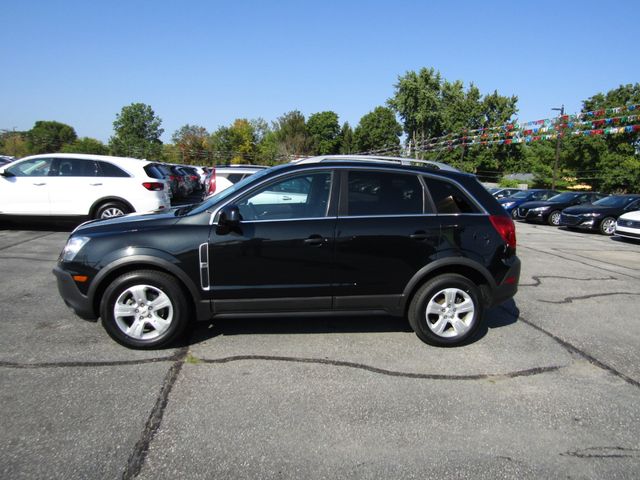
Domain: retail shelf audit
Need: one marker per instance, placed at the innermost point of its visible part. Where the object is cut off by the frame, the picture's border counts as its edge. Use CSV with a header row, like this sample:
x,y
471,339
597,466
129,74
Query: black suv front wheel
x,y
446,310
144,309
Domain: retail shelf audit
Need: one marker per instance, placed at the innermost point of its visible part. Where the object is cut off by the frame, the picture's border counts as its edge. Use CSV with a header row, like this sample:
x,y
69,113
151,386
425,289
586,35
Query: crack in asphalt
x,y
575,350
180,356
538,279
107,363
554,253
26,241
13,257
141,449
604,452
586,297
382,371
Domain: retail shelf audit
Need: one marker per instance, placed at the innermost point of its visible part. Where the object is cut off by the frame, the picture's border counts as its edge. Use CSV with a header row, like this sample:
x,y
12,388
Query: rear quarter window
x,y
106,169
448,198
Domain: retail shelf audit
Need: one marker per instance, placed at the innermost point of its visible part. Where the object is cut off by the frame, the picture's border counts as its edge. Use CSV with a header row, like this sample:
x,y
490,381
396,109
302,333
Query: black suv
x,y
323,235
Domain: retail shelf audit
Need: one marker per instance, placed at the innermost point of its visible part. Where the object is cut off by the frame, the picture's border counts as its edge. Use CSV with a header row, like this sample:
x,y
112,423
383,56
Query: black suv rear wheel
x,y
144,309
446,310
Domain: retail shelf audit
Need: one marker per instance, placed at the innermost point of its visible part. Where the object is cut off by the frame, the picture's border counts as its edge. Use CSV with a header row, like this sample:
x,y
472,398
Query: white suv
x,y
67,184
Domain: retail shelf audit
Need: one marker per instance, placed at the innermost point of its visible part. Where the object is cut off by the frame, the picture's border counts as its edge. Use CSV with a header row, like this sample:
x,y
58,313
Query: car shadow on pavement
x,y
501,316
40,225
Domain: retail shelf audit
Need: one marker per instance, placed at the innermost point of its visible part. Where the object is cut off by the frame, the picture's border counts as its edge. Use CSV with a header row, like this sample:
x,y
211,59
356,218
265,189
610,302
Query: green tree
x,y
49,136
324,132
291,135
346,139
379,132
235,144
14,144
193,143
86,145
137,132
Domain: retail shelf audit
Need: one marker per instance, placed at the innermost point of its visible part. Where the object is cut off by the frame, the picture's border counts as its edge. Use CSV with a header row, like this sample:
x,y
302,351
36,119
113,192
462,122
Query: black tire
x,y
607,226
111,210
514,213
426,325
149,328
554,218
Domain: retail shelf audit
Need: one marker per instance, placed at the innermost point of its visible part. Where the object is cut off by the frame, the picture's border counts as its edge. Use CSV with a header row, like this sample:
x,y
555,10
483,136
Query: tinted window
x,y
235,177
154,171
448,198
110,170
37,167
382,193
302,196
72,167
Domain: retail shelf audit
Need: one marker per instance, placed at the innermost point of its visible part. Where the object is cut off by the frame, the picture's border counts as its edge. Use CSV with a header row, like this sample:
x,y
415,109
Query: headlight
x,y
71,249
591,214
508,204
540,209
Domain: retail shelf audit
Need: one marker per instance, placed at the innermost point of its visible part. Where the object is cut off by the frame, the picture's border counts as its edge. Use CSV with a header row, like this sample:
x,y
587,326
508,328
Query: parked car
x,y
67,184
510,204
370,237
601,215
628,226
180,177
499,192
4,160
223,177
548,211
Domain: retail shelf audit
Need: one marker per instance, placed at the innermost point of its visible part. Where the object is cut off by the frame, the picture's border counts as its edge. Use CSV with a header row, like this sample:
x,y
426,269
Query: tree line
x,y
424,106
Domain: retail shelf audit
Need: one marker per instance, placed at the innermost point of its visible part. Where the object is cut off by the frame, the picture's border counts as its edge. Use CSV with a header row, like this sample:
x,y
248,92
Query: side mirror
x,y
4,173
229,216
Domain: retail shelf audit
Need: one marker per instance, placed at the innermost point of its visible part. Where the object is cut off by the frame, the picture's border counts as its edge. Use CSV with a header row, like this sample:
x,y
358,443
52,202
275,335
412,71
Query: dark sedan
x,y
600,215
548,211
510,204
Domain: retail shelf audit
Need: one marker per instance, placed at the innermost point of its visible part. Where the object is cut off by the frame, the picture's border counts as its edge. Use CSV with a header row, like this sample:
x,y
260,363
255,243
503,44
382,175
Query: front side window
x,y
383,193
301,196
37,167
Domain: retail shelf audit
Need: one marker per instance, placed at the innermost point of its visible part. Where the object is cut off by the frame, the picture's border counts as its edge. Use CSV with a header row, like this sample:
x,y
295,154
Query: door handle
x,y
40,184
95,184
286,197
418,236
315,241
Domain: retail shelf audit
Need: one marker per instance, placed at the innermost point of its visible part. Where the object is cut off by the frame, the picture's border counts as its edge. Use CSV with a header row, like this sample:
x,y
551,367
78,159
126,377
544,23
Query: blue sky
x,y
210,62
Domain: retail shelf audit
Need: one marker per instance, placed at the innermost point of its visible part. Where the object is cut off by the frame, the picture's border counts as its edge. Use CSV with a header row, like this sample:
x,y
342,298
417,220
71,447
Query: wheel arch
x,y
463,266
143,262
101,201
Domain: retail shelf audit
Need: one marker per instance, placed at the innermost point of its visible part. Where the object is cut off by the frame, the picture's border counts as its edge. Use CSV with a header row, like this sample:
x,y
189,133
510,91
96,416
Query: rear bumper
x,y
509,286
72,296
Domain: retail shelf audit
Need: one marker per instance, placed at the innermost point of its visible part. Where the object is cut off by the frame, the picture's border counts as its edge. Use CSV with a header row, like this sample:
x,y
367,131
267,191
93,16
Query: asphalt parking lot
x,y
550,389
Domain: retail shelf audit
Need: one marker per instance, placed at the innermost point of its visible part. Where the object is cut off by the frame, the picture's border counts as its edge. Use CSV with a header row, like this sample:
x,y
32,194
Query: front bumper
x,y
72,296
579,221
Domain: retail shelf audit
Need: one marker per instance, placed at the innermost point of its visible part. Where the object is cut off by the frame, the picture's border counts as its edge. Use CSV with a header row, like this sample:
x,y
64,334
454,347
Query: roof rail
x,y
375,158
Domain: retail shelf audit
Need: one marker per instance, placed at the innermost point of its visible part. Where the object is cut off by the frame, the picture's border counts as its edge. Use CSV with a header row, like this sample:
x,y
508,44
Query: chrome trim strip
x,y
203,254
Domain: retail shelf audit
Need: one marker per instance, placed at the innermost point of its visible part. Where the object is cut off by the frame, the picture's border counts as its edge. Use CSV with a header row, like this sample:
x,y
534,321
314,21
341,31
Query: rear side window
x,y
106,169
235,177
448,198
383,193
153,171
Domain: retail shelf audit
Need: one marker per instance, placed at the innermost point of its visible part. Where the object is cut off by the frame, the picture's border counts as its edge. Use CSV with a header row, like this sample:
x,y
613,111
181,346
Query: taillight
x,y
173,178
195,178
212,183
506,228
153,186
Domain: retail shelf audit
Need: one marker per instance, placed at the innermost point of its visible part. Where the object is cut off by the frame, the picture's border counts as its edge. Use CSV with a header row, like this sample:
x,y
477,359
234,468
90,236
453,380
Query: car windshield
x,y
227,192
522,195
563,197
614,201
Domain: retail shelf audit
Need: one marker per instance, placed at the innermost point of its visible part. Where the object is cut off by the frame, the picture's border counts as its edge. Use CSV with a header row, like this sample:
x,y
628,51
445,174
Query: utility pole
x,y
555,164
